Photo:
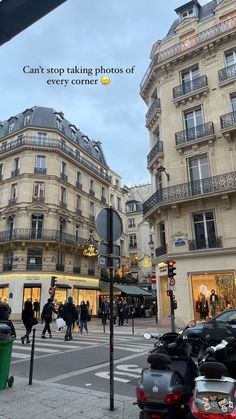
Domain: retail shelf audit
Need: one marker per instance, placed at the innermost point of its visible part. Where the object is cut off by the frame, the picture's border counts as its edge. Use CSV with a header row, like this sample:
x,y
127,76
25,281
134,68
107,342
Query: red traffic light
x,y
171,263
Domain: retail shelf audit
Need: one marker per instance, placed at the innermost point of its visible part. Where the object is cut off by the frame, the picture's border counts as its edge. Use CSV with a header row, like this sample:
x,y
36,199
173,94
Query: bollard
x,y
32,359
132,322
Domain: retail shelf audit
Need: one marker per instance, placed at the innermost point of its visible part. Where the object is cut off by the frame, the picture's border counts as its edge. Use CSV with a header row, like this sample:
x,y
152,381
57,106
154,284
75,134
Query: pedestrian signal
x,y
171,268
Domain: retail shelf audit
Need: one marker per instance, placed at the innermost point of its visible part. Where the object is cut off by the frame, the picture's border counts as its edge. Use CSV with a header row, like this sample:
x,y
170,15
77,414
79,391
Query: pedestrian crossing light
x,y
53,281
171,268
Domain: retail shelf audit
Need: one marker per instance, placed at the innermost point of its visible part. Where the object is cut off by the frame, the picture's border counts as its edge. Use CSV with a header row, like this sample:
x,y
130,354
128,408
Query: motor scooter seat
x,y
159,361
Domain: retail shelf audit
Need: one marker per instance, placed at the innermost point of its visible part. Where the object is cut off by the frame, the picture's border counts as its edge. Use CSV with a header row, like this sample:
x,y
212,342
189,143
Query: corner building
x,y
190,91
54,180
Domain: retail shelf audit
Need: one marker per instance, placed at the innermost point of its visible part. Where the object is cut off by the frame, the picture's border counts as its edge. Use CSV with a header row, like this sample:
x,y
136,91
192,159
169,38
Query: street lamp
x,y
160,169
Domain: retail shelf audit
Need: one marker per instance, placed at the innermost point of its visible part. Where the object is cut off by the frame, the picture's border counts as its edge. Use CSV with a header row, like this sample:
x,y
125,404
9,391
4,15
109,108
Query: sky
x,y
102,35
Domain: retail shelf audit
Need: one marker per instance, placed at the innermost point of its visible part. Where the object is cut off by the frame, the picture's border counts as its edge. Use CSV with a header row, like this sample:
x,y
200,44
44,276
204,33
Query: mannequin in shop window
x,y
214,300
203,307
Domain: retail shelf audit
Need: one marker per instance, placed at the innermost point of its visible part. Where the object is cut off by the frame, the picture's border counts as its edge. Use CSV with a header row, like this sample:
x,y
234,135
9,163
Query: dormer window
x,y
27,119
187,13
11,127
96,149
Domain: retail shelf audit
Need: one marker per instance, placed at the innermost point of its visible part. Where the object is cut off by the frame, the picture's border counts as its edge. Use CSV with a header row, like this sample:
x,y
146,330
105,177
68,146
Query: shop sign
x,y
162,266
180,242
32,278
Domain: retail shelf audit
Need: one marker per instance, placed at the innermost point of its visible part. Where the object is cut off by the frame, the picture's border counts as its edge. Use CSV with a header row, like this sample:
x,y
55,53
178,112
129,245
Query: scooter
x,y
214,394
165,388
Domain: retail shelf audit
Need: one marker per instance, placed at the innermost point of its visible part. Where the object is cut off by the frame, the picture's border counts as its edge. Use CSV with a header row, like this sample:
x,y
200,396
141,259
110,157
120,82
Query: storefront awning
x,y
126,289
86,287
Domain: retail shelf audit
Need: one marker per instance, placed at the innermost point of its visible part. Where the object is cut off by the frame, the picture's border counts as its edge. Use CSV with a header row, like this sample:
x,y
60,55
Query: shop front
x,y
89,296
4,292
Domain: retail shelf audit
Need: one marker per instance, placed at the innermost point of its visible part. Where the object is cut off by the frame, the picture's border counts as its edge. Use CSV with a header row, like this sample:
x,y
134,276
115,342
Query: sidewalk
x,y
52,401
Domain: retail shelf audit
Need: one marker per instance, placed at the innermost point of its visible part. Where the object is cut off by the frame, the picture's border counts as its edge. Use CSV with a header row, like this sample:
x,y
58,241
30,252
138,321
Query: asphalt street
x,y
84,361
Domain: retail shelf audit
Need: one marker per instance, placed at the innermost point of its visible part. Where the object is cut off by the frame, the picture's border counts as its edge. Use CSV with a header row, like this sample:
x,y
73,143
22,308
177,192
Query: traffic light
x,y
171,268
53,281
174,304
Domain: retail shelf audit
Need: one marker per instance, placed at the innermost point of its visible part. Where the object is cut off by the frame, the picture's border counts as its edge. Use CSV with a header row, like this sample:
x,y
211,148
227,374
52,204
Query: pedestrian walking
x,y
60,322
5,310
120,313
36,308
104,311
126,313
70,315
46,317
27,317
83,317
114,312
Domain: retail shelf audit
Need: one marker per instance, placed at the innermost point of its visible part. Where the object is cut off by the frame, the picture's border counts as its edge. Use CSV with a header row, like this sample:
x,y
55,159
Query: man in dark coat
x,y
46,317
4,310
70,315
27,317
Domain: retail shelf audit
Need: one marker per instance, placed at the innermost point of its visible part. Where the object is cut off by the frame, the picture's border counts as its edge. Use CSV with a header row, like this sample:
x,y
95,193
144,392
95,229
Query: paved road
x,y
84,362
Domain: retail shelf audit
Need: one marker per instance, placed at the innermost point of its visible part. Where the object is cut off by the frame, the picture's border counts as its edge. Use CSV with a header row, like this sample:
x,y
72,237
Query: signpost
x,y
109,228
50,291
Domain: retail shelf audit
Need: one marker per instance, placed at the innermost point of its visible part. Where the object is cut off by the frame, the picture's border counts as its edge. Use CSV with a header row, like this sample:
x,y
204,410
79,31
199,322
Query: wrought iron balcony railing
x,y
79,186
184,191
91,192
34,266
205,243
39,235
76,269
195,133
63,204
103,199
162,250
12,201
15,172
190,86
38,199
157,149
92,217
91,272
133,245
228,120
60,268
227,73
31,141
39,170
155,106
64,177
191,42
7,267
78,211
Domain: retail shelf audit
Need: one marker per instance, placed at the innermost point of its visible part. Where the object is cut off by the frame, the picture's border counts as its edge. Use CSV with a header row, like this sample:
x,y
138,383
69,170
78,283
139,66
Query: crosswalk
x,y
57,345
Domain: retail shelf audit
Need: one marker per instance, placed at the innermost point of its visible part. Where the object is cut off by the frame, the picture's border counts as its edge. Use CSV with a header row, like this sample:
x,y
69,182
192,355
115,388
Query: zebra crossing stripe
x,y
28,348
18,355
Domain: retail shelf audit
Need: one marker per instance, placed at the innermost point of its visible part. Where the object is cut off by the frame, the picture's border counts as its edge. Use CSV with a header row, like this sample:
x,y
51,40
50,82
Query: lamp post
x,y
160,169
152,246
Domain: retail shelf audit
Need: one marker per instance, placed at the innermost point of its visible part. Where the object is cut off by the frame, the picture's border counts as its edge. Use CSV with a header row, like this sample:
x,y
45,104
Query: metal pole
x,y
110,243
104,322
132,313
172,313
32,359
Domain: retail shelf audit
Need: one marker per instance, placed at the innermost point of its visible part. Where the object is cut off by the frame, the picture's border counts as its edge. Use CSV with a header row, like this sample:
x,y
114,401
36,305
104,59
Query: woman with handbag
x,y
29,320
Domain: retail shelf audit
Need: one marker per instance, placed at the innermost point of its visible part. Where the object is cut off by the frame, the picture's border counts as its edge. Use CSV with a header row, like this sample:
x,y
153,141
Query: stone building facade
x,y
190,91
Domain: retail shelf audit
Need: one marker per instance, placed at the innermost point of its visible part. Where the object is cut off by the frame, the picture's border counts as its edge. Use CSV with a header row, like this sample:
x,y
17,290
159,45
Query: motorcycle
x,y
165,388
214,394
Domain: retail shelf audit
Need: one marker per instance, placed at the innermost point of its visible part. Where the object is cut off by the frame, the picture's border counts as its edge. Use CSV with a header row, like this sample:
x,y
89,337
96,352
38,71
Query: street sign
x,y
172,282
50,291
102,224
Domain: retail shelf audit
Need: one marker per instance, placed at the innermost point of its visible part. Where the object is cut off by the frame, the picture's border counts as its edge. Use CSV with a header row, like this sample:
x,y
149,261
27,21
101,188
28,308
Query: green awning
x,y
126,289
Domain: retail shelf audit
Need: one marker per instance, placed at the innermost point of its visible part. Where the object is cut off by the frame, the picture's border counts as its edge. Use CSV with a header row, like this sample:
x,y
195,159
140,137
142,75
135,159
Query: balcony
x,y
133,245
153,112
91,193
103,199
200,133
26,234
7,267
191,44
63,204
204,243
64,177
38,199
156,151
12,201
0,177
92,217
40,171
227,74
30,142
79,186
214,185
15,172
60,268
91,272
76,269
162,250
78,211
34,266
228,123
190,90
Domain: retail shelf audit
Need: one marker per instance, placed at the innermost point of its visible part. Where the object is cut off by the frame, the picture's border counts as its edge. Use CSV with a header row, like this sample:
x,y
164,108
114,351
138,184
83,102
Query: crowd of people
x,y
122,311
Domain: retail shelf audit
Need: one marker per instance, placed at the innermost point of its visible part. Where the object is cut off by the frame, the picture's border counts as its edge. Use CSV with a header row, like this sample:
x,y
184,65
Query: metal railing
x,y
31,141
188,43
34,266
227,73
63,204
79,186
60,268
190,86
183,191
7,267
12,201
205,243
76,270
38,198
15,172
157,149
91,192
40,171
162,250
91,272
64,177
228,120
156,105
195,133
39,235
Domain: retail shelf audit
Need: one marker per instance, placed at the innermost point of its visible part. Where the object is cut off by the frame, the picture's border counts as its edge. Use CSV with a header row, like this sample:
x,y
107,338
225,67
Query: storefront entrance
x,y
80,295
222,283
31,294
60,295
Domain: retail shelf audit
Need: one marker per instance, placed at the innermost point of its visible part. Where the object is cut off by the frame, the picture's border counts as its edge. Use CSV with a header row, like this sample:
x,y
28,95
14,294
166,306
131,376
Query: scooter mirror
x,y
147,336
221,345
192,323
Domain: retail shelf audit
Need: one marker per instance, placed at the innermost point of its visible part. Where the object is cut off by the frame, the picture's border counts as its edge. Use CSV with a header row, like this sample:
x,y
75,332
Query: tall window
x,y
78,202
78,177
58,123
60,265
11,127
64,168
91,208
1,171
131,207
112,200
77,232
199,171
233,103
34,259
42,137
14,191
36,226
91,185
91,266
39,190
132,240
10,226
103,193
131,222
204,229
27,119
16,164
119,203
41,162
193,119
230,58
187,77
63,194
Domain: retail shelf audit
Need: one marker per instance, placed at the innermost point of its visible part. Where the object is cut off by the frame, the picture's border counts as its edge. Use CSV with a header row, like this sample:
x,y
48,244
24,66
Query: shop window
x,y
4,293
33,294
34,259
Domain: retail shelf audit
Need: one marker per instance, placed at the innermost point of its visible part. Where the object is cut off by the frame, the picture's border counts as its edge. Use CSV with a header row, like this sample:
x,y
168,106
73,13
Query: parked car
x,y
215,329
